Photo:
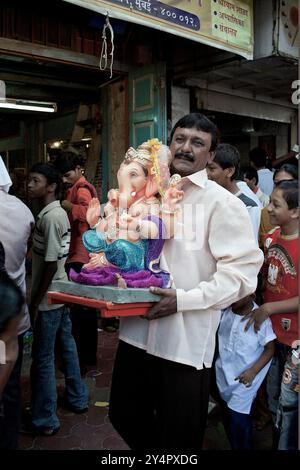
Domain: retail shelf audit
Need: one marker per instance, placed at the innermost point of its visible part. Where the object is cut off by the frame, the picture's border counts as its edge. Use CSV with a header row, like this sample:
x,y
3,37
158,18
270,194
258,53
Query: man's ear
x,y
230,171
295,213
52,187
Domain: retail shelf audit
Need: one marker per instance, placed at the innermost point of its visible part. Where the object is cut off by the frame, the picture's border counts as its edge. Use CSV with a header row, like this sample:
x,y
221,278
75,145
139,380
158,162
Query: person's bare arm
x,y
259,315
45,281
249,375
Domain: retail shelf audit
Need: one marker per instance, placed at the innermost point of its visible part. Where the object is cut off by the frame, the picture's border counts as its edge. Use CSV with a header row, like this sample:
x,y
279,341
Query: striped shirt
x,y
51,241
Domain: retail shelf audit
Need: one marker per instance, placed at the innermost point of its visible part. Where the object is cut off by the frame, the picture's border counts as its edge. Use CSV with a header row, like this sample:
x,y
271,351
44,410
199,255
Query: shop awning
x,y
227,25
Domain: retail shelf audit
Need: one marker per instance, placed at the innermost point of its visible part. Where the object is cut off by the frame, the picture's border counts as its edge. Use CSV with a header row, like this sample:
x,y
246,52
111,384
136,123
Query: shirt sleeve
x,y
266,333
238,260
53,234
79,210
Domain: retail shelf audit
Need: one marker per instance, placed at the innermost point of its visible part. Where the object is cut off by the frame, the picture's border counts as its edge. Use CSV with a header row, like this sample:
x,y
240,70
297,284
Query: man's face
x,y
279,212
216,173
37,186
71,177
282,176
190,150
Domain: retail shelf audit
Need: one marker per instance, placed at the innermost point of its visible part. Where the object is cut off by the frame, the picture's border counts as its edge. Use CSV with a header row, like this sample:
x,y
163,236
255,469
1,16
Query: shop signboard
x,y
227,25
276,29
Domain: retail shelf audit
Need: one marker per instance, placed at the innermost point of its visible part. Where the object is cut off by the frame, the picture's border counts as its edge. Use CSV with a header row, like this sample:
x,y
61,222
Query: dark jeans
x,y
240,430
283,394
156,403
84,327
50,325
11,405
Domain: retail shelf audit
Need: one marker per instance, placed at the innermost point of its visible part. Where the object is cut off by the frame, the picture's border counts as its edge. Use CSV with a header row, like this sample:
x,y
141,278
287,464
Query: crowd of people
x,y
227,328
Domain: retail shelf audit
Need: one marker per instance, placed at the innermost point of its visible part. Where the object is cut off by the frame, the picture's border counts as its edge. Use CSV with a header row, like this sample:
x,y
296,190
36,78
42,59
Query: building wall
x,y
118,125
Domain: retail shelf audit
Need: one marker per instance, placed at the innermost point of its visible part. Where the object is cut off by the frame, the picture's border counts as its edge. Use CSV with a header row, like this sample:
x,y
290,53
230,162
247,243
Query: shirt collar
x,y
81,180
199,178
48,207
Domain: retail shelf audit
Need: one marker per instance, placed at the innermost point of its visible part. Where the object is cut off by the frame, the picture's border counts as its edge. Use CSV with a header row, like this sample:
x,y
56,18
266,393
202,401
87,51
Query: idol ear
x,y
151,186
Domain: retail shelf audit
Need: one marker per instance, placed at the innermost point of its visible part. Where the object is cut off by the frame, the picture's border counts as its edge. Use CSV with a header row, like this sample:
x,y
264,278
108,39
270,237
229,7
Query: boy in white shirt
x,y
243,361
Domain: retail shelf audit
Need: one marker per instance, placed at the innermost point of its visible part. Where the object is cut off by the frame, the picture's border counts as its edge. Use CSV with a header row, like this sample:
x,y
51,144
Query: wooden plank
x,y
95,148
107,309
21,48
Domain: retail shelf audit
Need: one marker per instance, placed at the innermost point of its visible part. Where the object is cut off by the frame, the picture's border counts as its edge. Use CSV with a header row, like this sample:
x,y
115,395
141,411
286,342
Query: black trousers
x,y
156,403
10,417
84,328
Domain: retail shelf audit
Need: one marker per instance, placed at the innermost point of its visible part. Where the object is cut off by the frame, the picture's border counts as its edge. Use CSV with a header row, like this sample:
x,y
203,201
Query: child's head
x,y
283,207
251,177
225,165
286,172
43,179
242,306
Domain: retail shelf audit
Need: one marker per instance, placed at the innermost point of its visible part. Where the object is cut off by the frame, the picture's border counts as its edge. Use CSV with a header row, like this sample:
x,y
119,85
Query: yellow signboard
x,y
223,24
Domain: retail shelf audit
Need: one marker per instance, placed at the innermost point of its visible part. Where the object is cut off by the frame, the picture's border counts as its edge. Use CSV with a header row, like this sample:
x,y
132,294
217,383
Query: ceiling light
x,y
25,105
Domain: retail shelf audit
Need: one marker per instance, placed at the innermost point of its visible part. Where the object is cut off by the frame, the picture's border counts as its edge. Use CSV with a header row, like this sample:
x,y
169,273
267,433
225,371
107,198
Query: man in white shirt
x,y
224,168
160,385
16,225
258,159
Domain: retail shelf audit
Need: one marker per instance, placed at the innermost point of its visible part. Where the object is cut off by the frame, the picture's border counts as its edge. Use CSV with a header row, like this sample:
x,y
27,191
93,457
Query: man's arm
x,y
78,211
259,315
49,270
53,232
238,261
249,375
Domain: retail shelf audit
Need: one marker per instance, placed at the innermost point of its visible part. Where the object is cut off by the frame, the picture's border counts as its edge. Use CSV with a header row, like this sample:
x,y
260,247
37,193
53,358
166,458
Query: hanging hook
x,y
103,57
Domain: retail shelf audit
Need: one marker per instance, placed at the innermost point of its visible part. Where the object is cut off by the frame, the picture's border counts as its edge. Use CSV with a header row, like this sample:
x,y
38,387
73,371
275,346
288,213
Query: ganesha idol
x,y
125,243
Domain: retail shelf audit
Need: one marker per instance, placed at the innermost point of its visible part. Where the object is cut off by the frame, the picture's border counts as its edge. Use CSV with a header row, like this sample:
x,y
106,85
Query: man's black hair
x,y
227,156
201,123
289,191
287,168
68,160
250,173
258,156
50,173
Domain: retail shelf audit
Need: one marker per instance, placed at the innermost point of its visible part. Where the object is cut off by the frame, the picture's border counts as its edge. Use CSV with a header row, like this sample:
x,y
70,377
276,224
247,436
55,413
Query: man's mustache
x,y
186,155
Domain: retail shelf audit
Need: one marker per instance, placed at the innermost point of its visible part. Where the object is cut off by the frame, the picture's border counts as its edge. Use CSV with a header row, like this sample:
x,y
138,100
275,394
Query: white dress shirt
x,y
238,351
16,224
215,263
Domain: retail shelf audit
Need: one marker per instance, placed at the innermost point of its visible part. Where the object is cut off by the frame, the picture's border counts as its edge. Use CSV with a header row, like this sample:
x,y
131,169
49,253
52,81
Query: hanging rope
x,y
104,57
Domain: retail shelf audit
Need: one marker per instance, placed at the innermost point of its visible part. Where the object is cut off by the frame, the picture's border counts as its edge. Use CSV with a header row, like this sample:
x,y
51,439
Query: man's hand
x,y
67,205
166,306
246,377
257,316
